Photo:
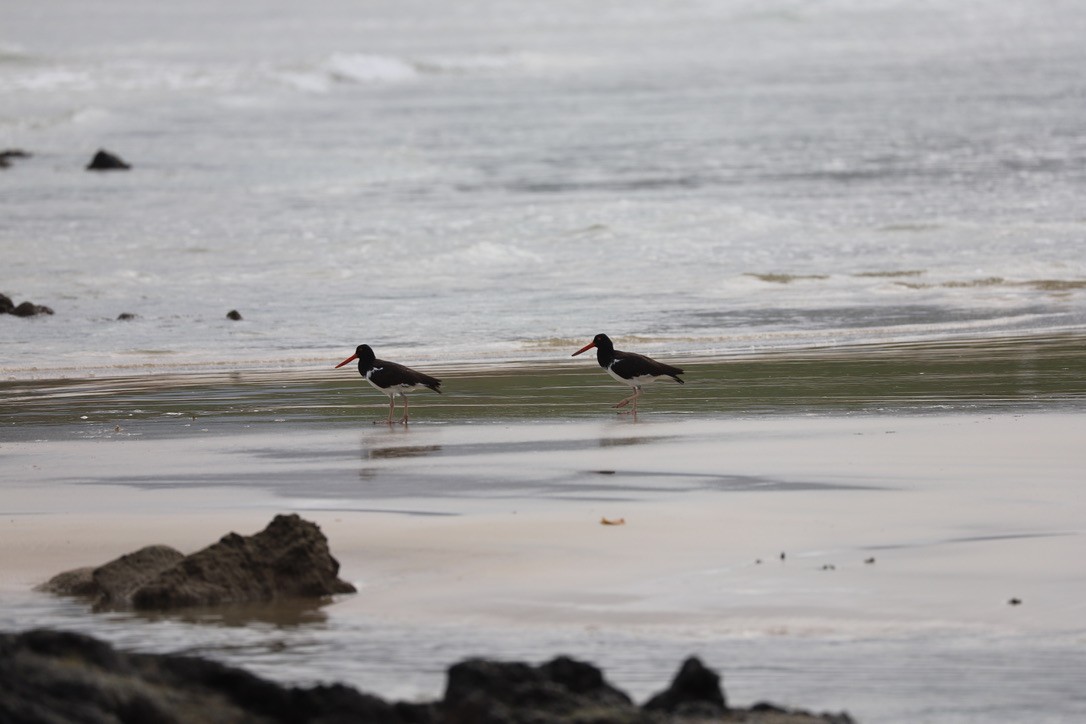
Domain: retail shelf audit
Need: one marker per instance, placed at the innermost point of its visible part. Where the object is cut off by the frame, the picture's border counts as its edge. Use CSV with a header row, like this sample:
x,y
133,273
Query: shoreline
x,y
558,357
1004,374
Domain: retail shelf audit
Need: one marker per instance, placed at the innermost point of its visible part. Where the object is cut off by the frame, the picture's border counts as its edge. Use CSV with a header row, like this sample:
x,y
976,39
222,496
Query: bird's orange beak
x,y
352,358
587,347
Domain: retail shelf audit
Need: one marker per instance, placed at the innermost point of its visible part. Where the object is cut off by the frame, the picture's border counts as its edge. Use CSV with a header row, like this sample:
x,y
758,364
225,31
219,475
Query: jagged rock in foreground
x,y
694,690
288,559
52,676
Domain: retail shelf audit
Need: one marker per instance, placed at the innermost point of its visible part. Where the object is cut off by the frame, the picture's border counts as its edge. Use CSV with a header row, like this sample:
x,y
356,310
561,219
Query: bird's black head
x,y
602,343
363,354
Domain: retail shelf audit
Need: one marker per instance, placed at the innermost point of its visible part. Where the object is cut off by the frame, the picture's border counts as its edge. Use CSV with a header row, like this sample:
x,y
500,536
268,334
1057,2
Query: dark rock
x,y
29,309
51,676
695,687
6,305
10,153
78,582
112,584
106,161
288,559
582,678
119,579
234,315
65,677
562,690
125,317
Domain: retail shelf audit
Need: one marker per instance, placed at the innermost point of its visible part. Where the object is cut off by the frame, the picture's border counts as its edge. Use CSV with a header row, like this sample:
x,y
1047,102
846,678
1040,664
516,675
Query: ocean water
x,y
492,181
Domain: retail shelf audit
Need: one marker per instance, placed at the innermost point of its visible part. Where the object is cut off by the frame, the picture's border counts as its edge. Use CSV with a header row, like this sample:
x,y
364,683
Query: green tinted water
x,y
1003,374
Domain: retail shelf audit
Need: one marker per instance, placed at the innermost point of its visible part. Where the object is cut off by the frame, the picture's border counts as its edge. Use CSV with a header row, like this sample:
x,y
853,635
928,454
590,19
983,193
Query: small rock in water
x,y
106,161
8,154
1015,602
234,315
125,316
29,309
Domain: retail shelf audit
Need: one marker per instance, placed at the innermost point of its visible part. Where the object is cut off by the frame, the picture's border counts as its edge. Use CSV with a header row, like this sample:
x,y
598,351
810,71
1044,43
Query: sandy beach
x,y
831,557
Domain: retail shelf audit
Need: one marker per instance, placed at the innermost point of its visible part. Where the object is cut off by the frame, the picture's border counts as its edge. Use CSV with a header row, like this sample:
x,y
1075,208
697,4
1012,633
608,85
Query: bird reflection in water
x,y
401,451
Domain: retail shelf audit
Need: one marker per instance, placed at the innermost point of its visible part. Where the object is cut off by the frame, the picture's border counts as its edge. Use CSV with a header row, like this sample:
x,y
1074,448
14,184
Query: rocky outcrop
x,y
54,676
61,676
113,584
288,559
695,690
118,580
562,690
106,161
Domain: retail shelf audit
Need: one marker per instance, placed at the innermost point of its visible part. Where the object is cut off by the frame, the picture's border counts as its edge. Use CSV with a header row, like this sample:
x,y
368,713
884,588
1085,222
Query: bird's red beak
x,y
587,347
352,358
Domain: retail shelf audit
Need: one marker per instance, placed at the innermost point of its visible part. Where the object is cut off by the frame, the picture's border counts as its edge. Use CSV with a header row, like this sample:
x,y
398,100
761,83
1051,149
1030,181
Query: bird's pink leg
x,y
632,398
404,418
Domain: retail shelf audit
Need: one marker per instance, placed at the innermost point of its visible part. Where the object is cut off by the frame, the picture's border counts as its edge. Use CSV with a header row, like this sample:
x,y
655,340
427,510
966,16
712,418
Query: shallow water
x,y
472,183
942,676
1019,373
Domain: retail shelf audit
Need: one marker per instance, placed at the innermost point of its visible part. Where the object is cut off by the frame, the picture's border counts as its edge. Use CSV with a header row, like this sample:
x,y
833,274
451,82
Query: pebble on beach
x,y
234,315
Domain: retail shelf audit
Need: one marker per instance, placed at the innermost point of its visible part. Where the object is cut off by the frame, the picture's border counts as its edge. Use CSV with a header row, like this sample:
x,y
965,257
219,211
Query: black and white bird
x,y
629,368
390,378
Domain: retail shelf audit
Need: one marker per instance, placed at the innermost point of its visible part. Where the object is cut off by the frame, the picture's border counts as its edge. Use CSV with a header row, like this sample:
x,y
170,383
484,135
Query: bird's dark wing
x,y
629,365
388,374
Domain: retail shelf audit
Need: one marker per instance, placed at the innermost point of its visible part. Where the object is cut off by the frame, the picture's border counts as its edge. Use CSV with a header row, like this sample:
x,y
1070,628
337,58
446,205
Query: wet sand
x,y
901,530
502,522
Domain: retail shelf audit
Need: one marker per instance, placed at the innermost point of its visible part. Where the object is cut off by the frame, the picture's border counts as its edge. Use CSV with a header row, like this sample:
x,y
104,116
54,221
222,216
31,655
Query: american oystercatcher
x,y
391,378
628,368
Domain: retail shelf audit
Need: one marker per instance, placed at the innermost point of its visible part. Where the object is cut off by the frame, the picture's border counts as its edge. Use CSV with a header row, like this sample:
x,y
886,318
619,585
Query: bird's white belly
x,y
633,381
392,390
